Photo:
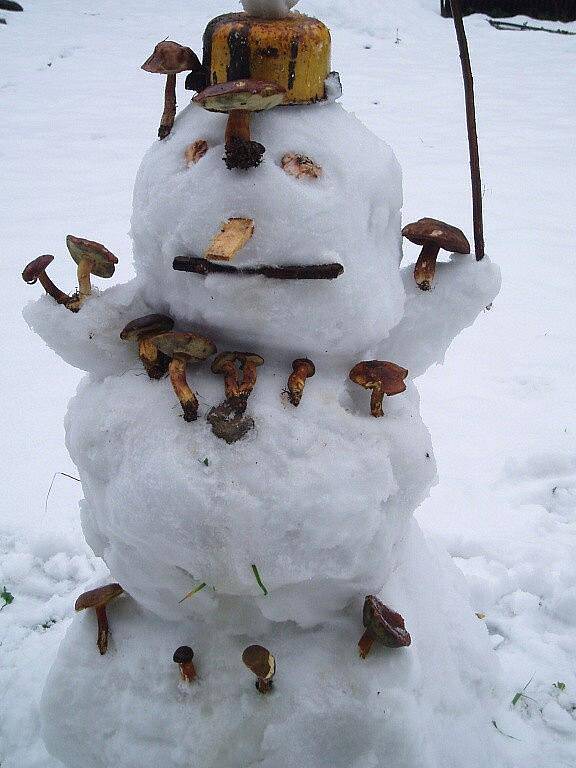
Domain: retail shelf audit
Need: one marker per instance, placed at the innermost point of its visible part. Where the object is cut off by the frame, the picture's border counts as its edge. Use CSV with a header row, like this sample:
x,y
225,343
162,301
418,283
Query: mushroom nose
x,y
230,239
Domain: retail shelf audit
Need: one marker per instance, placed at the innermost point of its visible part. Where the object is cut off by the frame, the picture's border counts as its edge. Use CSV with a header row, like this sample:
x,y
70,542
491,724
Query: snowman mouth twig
x,y
201,266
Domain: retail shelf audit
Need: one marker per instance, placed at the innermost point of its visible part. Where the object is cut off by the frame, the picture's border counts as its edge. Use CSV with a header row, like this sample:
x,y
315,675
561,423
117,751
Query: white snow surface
x,y
268,9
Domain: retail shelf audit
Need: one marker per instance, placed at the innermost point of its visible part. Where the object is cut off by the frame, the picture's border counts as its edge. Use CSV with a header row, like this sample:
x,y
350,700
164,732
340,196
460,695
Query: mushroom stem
x,y
188,400
102,629
249,375
155,363
84,285
263,686
425,268
231,385
169,113
187,671
376,399
238,125
52,290
365,643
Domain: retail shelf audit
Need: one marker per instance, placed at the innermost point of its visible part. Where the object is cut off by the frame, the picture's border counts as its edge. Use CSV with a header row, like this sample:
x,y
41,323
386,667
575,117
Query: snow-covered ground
x,y
77,115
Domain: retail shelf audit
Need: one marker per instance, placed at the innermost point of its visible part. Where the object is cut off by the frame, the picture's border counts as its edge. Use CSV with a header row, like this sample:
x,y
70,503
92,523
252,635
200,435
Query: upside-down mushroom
x,y
36,270
98,599
302,369
184,348
433,235
381,624
236,389
170,58
239,98
382,377
262,663
183,657
92,258
142,330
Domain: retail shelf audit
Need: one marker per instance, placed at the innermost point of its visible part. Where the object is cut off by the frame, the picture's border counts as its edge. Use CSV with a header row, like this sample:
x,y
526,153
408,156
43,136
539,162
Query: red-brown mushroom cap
x,y
189,345
378,373
385,624
145,325
96,598
439,233
260,661
304,365
103,261
243,95
32,271
170,58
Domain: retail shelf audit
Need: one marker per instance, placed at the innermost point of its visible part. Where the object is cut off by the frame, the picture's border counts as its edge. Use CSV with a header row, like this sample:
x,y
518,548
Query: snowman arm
x,y
462,289
90,339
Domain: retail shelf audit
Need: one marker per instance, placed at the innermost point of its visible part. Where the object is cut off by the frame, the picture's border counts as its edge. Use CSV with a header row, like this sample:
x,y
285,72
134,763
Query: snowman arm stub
x,y
462,289
90,339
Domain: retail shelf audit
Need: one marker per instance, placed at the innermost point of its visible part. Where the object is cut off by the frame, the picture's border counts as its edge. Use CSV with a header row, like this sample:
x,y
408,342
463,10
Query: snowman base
x,y
425,706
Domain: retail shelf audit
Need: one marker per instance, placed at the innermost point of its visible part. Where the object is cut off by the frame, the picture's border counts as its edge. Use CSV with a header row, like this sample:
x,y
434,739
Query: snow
x,y
268,9
501,408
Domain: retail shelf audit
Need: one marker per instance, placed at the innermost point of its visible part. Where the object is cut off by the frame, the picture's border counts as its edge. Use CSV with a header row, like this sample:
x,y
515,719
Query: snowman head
x,y
268,9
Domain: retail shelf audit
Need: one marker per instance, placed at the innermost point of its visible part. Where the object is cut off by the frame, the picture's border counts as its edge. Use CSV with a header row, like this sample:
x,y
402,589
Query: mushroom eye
x,y
300,166
195,152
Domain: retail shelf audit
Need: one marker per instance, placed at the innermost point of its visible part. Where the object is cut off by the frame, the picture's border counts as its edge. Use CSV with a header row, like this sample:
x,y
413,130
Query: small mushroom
x,y
382,624
195,152
382,378
98,599
239,98
230,239
300,166
36,270
302,369
238,390
262,663
183,657
142,330
170,58
92,259
184,348
433,235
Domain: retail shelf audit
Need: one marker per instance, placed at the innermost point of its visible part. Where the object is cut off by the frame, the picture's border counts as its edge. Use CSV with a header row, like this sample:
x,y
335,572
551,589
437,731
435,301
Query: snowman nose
x,y
231,238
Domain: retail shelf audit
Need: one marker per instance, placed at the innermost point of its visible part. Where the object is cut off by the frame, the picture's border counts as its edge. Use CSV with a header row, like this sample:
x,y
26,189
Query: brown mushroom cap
x,y
260,661
145,325
438,232
170,58
385,624
243,95
307,365
32,271
102,259
235,357
96,598
373,373
188,345
183,655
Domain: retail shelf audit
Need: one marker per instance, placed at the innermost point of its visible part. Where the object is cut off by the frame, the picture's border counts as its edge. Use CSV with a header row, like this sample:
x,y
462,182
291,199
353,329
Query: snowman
x,y
249,440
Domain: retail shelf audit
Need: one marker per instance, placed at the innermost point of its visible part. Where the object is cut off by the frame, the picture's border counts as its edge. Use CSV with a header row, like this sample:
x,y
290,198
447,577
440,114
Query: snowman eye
x,y
300,166
195,152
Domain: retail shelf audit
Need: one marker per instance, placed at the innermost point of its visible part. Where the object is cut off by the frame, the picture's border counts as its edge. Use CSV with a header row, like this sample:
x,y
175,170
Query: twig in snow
x,y
50,488
259,580
193,592
494,723
504,25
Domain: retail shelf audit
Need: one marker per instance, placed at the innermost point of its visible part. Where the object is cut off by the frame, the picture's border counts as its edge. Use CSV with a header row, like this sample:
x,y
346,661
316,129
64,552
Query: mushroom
x,y
239,98
142,330
195,151
381,624
98,599
382,378
260,661
36,270
238,391
183,657
300,166
183,348
170,58
302,369
92,259
433,235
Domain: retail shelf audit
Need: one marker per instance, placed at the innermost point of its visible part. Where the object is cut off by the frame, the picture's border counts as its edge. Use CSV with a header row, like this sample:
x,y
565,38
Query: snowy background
x,y
77,115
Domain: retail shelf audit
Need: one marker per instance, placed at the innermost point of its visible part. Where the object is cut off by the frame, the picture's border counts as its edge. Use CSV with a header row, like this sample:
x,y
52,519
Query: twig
x,y
50,488
504,25
290,272
259,580
471,126
193,592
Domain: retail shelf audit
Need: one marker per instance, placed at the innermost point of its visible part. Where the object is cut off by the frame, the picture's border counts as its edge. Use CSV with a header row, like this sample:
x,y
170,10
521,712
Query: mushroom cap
x,y
385,624
189,345
170,58
32,271
103,261
96,598
438,232
373,373
260,661
308,365
145,325
234,357
244,95
183,655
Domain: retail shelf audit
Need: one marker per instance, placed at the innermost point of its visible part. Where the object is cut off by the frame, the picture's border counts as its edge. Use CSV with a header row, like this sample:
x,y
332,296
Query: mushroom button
x,y
183,348
382,378
36,270
92,259
433,235
183,657
381,624
302,369
98,599
238,98
262,663
170,58
143,330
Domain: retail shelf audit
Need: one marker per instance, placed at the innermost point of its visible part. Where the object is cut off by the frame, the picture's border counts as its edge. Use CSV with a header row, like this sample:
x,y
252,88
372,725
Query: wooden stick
x,y
511,25
233,236
471,126
291,272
